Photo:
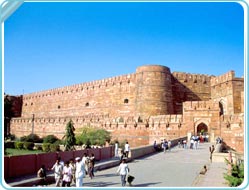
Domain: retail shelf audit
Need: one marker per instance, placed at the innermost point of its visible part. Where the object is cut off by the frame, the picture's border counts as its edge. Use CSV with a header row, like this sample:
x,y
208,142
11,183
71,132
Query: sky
x,y
51,45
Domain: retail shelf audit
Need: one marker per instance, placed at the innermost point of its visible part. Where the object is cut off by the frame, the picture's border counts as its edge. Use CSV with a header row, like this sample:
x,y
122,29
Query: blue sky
x,y
51,45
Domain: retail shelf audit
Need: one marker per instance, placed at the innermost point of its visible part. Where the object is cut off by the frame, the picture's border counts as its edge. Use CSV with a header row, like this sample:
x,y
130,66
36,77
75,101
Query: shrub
x,y
55,147
9,144
38,147
50,139
28,145
46,147
19,145
236,177
33,138
10,137
23,138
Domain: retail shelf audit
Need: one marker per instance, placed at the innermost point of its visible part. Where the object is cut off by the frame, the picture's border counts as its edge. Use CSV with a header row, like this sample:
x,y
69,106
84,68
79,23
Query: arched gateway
x,y
202,128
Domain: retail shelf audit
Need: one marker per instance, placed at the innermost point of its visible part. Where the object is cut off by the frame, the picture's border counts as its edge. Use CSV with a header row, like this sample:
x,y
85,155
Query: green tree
x,y
92,136
69,137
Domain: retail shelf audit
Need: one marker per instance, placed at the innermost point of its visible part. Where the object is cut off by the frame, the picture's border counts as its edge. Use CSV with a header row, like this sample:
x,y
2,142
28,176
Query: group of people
x,y
165,145
124,153
69,172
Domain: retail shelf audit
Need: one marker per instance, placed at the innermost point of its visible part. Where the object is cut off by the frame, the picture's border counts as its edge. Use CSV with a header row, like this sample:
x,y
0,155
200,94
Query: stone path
x,y
176,168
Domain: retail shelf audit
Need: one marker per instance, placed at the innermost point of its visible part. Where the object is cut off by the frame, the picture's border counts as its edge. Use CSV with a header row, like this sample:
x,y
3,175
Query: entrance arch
x,y
202,128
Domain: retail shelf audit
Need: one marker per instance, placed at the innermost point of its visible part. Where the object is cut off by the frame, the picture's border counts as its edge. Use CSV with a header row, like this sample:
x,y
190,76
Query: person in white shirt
x,y
127,149
79,172
58,168
116,149
67,175
169,145
85,160
123,170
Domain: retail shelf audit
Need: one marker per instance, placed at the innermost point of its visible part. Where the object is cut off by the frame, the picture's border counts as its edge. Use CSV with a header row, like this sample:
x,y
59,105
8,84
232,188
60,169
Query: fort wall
x,y
113,96
189,87
148,105
226,89
153,91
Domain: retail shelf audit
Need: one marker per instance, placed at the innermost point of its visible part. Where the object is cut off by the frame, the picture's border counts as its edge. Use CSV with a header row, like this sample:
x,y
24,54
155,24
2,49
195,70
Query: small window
x,y
87,104
31,103
126,101
59,107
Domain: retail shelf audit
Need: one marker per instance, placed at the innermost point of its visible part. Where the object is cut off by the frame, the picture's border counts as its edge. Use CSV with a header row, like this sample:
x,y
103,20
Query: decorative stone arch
x,y
202,124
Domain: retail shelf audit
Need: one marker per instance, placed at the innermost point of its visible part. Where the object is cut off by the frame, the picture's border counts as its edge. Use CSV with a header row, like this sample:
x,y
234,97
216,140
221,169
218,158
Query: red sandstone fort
x,y
141,107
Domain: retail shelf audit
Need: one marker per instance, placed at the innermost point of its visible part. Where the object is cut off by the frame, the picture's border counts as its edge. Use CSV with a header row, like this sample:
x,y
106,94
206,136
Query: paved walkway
x,y
214,176
176,168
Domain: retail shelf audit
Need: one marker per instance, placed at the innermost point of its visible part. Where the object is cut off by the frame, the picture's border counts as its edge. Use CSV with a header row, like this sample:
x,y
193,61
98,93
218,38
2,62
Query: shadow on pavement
x,y
144,184
100,184
105,175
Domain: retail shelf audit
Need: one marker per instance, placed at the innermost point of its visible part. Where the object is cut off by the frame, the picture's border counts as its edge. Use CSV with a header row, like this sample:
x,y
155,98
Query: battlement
x,y
200,105
172,118
222,78
188,77
97,84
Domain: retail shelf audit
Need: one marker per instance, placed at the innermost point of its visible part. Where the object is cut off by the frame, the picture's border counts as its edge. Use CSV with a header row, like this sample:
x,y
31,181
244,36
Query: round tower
x,y
153,91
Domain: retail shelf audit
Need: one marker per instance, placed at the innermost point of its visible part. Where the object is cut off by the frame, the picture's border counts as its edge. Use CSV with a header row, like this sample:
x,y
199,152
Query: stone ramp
x,y
171,171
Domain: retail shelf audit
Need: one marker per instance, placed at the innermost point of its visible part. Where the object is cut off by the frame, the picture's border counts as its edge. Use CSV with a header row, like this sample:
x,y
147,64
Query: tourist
x,y
67,175
79,172
127,149
165,145
184,144
85,160
123,170
122,156
91,165
195,143
42,174
211,150
179,144
58,168
191,143
72,165
156,146
116,149
169,145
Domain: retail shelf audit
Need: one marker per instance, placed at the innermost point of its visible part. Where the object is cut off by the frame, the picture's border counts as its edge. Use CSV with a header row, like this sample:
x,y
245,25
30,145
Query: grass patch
x,y
16,152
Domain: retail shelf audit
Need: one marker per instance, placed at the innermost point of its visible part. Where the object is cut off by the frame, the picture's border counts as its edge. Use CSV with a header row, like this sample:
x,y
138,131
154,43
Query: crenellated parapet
x,y
229,76
92,85
200,105
166,119
191,78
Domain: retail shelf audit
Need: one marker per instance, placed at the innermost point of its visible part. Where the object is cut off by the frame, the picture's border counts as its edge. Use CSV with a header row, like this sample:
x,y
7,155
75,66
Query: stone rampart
x,y
222,78
189,87
148,105
200,105
104,83
191,78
